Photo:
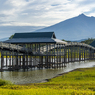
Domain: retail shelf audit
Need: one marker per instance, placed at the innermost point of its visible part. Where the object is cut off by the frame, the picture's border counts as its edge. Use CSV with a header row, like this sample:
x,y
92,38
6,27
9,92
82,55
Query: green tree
x,y
11,37
88,41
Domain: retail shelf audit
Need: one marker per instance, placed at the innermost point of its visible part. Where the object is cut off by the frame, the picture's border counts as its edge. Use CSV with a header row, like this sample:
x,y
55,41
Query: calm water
x,y
36,76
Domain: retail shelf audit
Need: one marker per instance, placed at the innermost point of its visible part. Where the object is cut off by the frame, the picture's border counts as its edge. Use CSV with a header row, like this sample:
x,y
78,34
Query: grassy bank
x,y
77,82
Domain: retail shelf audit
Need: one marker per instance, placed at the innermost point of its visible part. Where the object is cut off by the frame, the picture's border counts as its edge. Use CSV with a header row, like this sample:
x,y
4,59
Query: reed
x,y
77,82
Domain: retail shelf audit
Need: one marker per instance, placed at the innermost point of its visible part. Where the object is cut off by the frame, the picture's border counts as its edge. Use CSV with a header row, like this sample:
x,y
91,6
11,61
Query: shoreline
x,y
47,80
61,74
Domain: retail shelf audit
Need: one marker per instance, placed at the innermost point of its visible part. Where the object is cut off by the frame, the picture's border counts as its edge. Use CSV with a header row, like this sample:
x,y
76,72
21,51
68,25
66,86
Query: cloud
x,y
42,12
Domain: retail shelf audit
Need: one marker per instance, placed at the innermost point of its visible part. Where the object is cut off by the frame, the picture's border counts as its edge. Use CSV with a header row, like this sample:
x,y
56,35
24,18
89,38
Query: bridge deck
x,y
12,47
50,55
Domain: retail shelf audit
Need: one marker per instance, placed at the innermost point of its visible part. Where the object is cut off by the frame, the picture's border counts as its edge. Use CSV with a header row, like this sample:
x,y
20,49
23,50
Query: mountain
x,y
4,39
79,40
7,31
79,27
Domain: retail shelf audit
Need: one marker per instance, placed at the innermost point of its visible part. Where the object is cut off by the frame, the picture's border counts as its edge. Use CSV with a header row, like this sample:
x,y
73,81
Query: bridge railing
x,y
80,44
46,49
14,47
42,50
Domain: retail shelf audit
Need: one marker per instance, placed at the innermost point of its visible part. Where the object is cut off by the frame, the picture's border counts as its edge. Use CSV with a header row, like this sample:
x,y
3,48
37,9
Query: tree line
x,y
87,41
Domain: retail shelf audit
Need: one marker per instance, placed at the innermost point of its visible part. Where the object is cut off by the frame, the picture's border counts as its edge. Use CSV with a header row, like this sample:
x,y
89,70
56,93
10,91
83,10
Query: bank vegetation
x,y
76,82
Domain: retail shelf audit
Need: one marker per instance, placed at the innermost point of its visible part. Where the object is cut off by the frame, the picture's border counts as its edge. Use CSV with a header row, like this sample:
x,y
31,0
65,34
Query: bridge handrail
x,y
80,44
42,49
14,47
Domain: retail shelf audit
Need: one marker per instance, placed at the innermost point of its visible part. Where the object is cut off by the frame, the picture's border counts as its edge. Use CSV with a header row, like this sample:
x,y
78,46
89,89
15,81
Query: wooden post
x,y
31,61
23,61
52,61
2,61
12,60
64,55
84,53
54,55
27,61
77,54
71,54
93,54
45,61
49,61
74,53
6,60
20,60
41,61
89,54
17,59
57,55
68,54
60,57
47,55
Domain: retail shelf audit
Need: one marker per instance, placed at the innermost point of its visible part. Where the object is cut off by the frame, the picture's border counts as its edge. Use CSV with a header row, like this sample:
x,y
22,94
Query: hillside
x,y
76,28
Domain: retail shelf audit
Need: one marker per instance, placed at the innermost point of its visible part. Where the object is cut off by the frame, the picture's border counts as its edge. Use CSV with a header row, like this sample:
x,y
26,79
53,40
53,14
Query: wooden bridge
x,y
48,55
15,48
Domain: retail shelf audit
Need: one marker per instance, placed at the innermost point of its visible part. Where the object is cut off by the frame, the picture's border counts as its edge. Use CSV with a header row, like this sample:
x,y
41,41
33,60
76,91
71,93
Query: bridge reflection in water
x,y
44,55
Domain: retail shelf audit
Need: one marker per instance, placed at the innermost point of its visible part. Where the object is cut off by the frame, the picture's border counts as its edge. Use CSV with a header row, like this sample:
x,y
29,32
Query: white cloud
x,y
42,12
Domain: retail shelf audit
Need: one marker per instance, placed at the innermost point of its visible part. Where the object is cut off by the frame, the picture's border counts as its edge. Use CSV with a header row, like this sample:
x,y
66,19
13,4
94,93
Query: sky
x,y
42,12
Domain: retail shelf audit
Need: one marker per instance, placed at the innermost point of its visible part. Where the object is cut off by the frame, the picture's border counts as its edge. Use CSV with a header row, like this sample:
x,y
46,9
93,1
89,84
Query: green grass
x,y
4,82
77,82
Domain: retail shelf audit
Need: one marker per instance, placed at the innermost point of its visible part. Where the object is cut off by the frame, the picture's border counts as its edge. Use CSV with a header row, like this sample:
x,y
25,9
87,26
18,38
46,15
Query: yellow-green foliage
x,y
4,82
77,82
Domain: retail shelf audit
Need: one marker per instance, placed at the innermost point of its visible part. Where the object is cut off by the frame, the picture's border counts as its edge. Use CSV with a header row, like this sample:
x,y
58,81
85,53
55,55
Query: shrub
x,y
4,82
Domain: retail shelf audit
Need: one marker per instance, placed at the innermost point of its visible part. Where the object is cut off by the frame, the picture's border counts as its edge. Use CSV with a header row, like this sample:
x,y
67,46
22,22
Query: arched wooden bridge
x,y
15,57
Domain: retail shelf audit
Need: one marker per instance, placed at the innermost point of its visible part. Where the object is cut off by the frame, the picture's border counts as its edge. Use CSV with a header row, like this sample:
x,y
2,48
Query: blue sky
x,y
42,12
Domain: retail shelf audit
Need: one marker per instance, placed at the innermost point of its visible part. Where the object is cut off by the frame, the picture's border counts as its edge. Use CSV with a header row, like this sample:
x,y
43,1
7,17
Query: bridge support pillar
x,y
64,56
84,53
27,62
90,54
30,61
60,61
6,59
74,51
79,53
68,54
71,55
10,59
20,60
46,61
2,61
23,63
93,54
41,62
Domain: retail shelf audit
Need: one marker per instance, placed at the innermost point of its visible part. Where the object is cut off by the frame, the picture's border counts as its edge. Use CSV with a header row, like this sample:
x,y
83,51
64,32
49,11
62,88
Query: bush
x,y
4,82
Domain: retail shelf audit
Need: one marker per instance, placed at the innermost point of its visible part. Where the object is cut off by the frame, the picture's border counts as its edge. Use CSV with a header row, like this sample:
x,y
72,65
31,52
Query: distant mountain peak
x,y
79,27
82,15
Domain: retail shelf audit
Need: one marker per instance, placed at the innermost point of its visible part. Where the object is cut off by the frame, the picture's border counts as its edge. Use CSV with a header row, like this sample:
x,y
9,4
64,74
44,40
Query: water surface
x,y
36,75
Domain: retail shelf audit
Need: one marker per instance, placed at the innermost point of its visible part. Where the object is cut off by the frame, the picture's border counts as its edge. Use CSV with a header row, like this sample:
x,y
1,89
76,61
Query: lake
x,y
39,75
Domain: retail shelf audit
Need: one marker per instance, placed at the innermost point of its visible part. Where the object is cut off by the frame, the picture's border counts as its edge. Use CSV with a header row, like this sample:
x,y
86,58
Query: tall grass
x,y
5,82
78,82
